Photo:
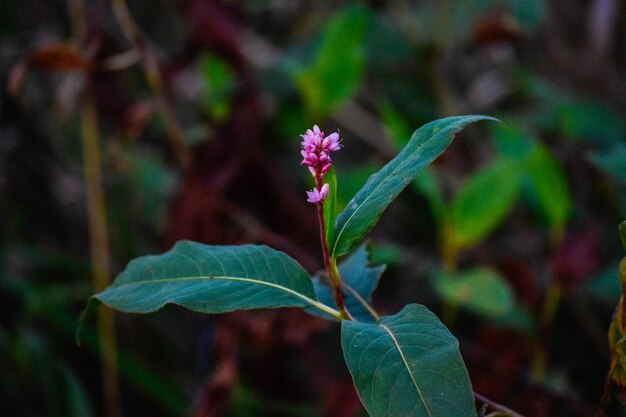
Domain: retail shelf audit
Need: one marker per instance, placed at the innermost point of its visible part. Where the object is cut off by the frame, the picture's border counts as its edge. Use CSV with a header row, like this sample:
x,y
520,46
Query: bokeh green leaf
x,y
549,184
484,201
482,291
336,73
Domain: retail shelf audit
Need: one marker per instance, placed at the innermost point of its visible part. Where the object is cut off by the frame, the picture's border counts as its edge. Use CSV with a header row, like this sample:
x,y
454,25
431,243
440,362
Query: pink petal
x,y
324,191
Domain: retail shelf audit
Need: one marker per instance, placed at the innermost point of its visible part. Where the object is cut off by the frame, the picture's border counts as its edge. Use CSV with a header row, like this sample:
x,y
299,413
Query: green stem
x,y
548,311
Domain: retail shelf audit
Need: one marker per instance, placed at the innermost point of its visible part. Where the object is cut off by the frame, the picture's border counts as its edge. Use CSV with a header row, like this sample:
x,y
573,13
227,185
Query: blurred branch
x,y
603,19
121,61
96,214
496,406
262,233
153,78
100,251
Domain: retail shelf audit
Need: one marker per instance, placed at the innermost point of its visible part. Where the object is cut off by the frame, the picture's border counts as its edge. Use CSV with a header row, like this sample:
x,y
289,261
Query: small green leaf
x,y
219,86
359,280
622,233
210,279
366,207
510,140
549,184
398,129
612,162
482,291
338,67
426,184
484,201
330,204
407,365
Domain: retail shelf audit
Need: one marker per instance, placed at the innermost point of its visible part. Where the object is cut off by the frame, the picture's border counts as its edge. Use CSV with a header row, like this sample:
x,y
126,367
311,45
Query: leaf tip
x,y
91,306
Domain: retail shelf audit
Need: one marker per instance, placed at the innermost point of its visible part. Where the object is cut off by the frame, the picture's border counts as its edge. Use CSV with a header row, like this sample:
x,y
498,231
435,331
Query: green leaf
x,y
482,291
398,129
407,365
338,67
612,162
210,279
484,201
549,184
330,204
510,140
425,183
219,86
622,233
359,280
366,207
591,122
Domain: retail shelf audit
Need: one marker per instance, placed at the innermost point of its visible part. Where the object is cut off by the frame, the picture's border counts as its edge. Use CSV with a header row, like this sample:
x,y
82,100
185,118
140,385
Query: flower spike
x,y
316,148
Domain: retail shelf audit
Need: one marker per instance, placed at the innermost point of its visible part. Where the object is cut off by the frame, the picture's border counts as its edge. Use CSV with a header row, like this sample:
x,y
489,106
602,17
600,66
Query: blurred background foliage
x,y
197,106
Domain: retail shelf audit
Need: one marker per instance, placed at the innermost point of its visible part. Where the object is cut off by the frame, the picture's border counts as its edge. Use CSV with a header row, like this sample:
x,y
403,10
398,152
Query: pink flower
x,y
317,196
316,148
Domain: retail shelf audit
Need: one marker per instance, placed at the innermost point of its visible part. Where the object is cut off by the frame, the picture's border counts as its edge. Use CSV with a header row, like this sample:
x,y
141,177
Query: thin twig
x,y
606,393
99,245
496,406
98,234
153,78
259,231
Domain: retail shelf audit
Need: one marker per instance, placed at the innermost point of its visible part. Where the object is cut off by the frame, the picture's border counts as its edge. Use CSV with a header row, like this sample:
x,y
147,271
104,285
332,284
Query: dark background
x,y
196,107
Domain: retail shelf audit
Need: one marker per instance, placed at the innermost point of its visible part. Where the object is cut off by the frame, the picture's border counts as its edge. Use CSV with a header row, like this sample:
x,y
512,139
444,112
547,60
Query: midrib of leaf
x,y
406,365
367,198
320,306
361,300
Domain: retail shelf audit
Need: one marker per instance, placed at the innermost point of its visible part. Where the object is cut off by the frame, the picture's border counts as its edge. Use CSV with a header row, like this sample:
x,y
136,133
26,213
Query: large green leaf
x,y
482,291
366,207
407,365
549,184
484,200
210,279
358,280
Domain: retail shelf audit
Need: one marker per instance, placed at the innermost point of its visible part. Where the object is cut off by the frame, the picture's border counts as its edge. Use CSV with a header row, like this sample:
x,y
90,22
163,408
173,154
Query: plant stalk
x,y
99,246
330,264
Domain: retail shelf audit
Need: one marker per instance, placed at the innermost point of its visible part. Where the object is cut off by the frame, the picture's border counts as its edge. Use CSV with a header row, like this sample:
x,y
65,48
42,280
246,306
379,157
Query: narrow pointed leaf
x,y
359,280
407,365
210,279
366,207
330,204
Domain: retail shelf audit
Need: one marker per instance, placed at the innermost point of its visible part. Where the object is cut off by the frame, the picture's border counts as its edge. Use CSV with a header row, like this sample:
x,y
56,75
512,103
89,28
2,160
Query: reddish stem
x,y
331,268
